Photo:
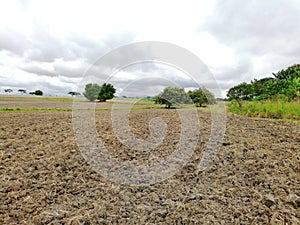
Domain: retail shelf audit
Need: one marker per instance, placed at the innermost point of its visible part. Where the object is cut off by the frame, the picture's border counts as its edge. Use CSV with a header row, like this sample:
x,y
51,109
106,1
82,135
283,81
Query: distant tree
x,y
172,96
8,90
202,96
107,92
38,92
22,91
74,93
240,92
92,91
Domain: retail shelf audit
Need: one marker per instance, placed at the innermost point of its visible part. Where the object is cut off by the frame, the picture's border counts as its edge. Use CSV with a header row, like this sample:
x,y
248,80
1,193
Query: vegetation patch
x,y
278,109
275,97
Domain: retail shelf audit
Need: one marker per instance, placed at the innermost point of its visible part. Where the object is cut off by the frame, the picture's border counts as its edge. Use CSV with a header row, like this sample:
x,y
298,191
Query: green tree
x,y
284,85
22,91
290,88
92,91
240,92
202,96
172,96
107,92
38,92
260,87
73,93
287,83
8,90
289,73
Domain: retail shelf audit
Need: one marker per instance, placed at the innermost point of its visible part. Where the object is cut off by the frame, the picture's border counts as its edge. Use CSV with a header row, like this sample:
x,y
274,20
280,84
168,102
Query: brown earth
x,y
45,179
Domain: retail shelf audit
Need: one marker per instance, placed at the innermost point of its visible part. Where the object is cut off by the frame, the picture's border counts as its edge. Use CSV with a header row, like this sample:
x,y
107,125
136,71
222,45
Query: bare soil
x,y
44,178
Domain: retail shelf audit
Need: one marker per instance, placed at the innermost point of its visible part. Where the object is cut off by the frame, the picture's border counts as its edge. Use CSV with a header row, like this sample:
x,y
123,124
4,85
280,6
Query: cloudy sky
x,y
50,45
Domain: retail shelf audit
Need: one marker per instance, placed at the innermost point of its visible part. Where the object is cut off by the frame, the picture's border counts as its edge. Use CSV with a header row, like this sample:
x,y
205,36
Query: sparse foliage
x,y
8,90
92,91
22,91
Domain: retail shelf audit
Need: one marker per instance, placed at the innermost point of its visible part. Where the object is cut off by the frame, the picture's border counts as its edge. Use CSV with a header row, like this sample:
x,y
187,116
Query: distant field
x,y
43,103
36,98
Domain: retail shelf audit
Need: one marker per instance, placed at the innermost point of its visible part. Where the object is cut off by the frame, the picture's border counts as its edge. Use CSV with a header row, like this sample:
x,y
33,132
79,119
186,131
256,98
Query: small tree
x,y
240,92
107,92
38,92
8,90
172,96
74,93
22,91
92,91
202,96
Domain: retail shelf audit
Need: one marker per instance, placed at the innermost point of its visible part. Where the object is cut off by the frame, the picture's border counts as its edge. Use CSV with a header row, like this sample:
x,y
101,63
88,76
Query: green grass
x,y
136,101
278,109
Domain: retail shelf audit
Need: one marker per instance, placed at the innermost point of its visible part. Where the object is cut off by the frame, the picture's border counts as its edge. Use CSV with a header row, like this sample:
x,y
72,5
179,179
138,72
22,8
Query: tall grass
x,y
277,109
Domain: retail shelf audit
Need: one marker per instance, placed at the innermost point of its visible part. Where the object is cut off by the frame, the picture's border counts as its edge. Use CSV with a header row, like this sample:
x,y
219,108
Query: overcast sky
x,y
49,45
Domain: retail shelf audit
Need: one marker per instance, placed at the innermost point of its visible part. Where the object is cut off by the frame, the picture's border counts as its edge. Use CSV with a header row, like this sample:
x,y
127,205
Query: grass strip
x,y
267,109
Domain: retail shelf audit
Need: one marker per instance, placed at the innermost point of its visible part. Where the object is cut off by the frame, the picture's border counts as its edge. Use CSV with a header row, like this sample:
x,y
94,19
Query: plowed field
x,y
44,178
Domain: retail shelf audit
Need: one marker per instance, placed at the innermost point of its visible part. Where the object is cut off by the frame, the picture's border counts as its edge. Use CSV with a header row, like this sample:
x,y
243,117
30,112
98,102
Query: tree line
x,y
170,96
284,84
36,92
23,91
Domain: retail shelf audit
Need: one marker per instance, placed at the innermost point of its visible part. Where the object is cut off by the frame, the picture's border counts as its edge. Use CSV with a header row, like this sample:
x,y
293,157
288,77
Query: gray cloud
x,y
38,70
13,42
67,58
262,34
148,86
42,46
257,27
